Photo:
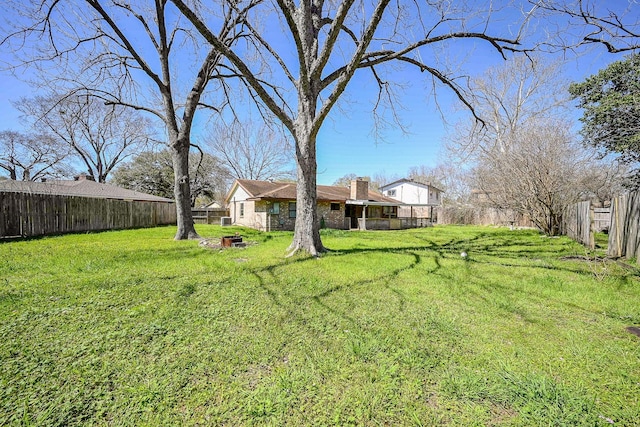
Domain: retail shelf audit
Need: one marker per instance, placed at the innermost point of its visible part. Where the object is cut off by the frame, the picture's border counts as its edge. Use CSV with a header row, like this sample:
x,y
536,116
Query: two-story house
x,y
421,198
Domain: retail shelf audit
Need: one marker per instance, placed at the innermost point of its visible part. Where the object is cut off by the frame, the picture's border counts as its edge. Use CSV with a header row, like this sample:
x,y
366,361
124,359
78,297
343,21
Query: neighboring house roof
x,y
213,205
81,188
260,190
409,181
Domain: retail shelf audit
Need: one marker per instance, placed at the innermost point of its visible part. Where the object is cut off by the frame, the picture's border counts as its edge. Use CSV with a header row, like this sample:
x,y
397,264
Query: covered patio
x,y
372,215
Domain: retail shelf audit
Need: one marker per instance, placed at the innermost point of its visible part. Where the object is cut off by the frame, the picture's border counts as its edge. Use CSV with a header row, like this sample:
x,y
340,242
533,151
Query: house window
x,y
389,211
335,206
275,209
241,210
391,193
292,209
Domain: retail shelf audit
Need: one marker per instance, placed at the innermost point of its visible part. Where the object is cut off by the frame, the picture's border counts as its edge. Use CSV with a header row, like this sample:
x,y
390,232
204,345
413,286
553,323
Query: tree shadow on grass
x,y
290,304
485,249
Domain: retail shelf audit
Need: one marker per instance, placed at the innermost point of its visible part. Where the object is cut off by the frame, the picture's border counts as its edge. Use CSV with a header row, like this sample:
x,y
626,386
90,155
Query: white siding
x,y
412,193
239,197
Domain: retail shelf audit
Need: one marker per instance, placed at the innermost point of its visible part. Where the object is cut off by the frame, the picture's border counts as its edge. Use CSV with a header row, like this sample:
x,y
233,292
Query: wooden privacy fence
x,y
208,216
475,215
624,234
601,219
26,214
578,223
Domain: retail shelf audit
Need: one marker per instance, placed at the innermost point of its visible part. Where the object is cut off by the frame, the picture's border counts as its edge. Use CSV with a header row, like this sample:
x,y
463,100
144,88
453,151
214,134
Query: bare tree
x,y
100,136
384,177
508,96
332,42
524,156
29,157
135,54
604,180
538,175
250,152
611,24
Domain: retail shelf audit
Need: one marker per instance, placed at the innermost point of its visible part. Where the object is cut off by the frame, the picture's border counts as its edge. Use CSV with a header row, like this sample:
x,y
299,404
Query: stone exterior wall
x,y
332,218
259,216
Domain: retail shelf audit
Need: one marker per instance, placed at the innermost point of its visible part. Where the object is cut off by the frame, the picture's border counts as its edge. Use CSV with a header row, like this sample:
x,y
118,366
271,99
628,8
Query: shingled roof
x,y
261,190
81,188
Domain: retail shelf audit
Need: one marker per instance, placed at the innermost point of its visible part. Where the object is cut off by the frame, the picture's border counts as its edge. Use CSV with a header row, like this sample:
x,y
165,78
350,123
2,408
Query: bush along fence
x,y
25,214
624,233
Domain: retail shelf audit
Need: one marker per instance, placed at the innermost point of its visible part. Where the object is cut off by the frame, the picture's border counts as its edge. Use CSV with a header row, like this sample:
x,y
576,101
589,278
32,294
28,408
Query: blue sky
x,y
346,143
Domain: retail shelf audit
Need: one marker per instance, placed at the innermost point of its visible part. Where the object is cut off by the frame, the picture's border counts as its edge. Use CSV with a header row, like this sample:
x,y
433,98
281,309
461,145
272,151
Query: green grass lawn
x,y
390,328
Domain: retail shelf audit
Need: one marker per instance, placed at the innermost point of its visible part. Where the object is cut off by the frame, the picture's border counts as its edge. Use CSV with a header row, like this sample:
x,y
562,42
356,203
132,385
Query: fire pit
x,y
228,241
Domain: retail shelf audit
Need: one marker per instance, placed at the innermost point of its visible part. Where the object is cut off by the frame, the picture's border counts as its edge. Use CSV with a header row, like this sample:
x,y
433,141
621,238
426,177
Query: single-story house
x,y
419,199
213,205
81,186
267,205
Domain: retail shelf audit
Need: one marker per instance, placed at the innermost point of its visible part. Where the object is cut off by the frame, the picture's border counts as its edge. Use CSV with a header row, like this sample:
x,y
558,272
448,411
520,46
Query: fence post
x,y
592,234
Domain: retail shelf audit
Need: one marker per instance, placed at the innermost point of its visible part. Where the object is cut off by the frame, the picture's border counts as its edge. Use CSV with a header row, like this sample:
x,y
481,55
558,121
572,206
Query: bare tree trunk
x,y
182,190
307,229
306,234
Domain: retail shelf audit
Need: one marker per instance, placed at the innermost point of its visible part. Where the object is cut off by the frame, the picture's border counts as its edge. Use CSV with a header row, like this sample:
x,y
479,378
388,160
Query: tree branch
x,y
242,67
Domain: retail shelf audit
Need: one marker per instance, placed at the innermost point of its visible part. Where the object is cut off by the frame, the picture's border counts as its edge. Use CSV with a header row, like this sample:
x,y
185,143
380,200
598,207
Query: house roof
x,y
409,181
261,190
81,188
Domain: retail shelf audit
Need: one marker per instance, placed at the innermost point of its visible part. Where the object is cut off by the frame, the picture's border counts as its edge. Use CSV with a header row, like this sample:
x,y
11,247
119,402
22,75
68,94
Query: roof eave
x,y
372,203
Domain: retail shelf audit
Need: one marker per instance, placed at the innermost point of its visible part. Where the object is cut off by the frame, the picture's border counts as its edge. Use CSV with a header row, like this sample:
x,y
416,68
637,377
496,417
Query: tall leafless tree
x,y
29,157
251,152
508,96
334,40
525,158
538,175
132,53
100,136
614,25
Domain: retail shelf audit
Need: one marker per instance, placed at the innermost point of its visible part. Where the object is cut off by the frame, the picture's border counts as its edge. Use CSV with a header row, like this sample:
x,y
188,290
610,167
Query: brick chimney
x,y
359,189
84,177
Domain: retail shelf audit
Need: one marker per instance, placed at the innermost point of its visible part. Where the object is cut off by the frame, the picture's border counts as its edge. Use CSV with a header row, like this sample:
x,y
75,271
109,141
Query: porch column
x,y
364,217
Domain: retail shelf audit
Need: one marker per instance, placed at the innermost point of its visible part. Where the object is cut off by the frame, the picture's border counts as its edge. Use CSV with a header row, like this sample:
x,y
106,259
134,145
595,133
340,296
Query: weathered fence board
x,y
24,214
481,216
578,220
601,219
208,216
624,233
